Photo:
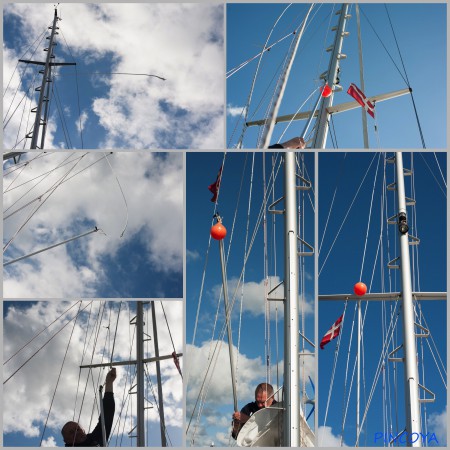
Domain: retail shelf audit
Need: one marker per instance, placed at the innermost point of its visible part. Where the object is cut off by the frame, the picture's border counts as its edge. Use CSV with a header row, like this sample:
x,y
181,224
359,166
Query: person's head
x,y
72,433
263,395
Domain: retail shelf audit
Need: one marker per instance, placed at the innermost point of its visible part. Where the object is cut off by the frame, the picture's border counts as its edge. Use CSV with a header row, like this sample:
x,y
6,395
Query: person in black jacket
x,y
75,436
263,399
292,144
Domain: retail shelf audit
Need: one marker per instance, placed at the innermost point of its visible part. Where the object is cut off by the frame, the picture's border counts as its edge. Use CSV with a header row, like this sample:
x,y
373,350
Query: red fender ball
x,y
360,288
326,91
218,231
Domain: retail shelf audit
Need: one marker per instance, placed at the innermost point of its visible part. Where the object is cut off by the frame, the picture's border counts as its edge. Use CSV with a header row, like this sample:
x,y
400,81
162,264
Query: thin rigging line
x,y
33,338
37,351
59,376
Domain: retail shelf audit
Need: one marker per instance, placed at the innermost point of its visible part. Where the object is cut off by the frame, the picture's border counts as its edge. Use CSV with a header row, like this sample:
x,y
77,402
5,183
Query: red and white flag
x,y
359,96
332,333
214,188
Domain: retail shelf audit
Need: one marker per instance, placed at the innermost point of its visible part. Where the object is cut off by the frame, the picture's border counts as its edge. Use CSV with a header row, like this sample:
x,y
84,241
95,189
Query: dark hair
x,y
264,387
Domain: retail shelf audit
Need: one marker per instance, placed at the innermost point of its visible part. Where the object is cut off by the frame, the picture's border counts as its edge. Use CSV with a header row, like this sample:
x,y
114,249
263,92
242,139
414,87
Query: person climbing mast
x,y
75,436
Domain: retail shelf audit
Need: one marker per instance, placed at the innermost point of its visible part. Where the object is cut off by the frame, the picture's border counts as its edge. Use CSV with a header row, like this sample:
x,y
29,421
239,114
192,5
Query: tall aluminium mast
x,y
140,376
42,108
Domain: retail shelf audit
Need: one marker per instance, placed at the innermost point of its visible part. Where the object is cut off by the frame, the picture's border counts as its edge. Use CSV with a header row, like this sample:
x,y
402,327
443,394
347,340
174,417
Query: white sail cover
x,y
264,429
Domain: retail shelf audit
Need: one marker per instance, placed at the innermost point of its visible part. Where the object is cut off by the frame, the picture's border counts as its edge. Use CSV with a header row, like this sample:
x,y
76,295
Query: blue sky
x,y
137,254
23,320
201,172
424,55
342,271
120,111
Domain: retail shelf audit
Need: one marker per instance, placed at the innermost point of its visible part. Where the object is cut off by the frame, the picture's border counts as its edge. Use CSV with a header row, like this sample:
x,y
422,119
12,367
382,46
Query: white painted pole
x,y
320,139
412,408
291,327
361,78
140,374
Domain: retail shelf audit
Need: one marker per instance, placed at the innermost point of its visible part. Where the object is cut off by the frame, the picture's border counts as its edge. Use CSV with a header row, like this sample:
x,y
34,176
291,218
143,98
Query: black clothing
x,y
273,146
95,439
248,410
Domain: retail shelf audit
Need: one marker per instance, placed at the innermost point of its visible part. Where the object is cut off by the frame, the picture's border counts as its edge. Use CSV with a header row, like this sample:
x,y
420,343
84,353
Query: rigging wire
x,y
78,91
330,209
35,336
123,195
115,334
37,351
40,38
54,187
347,213
39,197
255,76
407,79
370,216
59,376
220,341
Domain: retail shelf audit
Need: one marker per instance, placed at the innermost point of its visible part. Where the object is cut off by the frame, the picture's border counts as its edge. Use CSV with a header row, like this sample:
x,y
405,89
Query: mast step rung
x,y
391,264
426,331
275,299
33,110
390,160
323,75
342,56
271,209
407,172
394,359
392,220
306,183
334,28
311,248
329,48
414,240
427,400
410,201
338,88
345,33
392,186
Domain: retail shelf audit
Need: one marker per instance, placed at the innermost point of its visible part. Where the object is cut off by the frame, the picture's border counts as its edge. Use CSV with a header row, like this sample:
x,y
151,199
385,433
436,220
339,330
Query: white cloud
x,y
254,294
437,423
192,255
182,42
326,438
153,191
36,381
235,111
50,442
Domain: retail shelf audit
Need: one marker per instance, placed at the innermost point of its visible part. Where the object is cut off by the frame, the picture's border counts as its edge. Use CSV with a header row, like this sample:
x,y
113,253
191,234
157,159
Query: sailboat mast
x,y
331,77
140,374
409,336
158,376
43,89
291,435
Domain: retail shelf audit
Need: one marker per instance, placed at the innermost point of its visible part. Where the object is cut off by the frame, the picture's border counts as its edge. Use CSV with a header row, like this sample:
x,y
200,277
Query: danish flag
x,y
214,187
332,333
359,96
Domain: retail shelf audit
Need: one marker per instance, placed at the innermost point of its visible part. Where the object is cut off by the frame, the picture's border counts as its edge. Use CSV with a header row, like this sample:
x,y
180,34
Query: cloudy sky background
x,y
180,42
249,338
27,395
145,262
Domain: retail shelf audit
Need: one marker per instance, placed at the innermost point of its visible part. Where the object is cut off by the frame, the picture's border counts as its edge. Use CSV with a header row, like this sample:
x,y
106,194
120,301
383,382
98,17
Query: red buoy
x,y
326,90
360,288
218,231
